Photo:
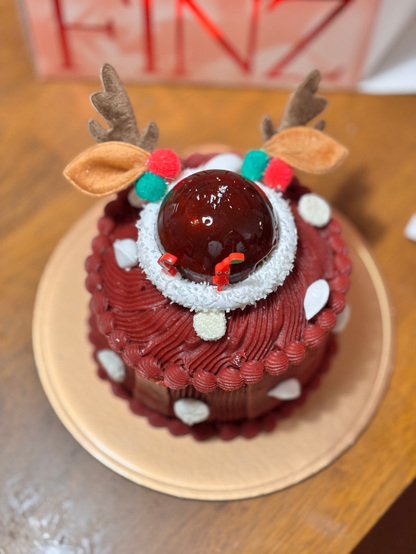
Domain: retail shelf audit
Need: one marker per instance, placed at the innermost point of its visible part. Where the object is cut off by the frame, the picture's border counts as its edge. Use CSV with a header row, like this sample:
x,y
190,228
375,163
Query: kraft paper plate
x,y
314,436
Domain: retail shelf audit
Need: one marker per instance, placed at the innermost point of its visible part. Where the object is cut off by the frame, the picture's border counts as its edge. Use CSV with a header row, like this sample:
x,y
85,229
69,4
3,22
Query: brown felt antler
x,y
114,105
305,148
121,158
301,108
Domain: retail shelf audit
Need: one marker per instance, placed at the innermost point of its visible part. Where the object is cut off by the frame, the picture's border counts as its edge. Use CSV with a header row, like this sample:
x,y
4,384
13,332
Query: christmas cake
x,y
216,281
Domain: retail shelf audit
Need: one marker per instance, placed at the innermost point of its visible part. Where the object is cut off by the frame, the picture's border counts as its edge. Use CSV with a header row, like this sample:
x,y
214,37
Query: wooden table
x,y
53,492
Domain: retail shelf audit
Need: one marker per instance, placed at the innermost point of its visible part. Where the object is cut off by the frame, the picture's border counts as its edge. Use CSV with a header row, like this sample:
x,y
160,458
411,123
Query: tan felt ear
x,y
306,149
107,167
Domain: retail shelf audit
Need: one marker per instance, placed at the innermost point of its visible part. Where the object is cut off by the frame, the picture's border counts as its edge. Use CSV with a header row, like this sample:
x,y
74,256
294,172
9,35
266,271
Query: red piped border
x,y
175,376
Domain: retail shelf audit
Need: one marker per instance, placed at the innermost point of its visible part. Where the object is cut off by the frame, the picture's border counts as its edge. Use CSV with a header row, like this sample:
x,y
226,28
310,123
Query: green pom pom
x,y
150,187
255,164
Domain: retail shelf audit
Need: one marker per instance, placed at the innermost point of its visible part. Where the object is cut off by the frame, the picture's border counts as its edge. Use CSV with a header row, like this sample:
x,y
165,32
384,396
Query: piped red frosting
x,y
226,430
157,338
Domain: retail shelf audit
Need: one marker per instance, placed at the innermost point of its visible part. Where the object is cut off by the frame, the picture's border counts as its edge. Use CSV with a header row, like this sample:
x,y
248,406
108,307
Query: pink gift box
x,y
271,43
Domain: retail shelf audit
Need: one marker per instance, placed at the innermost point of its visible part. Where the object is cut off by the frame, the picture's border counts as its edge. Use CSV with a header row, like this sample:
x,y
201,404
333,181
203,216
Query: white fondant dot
x,y
113,364
314,210
286,390
191,411
228,161
342,319
210,325
125,251
316,297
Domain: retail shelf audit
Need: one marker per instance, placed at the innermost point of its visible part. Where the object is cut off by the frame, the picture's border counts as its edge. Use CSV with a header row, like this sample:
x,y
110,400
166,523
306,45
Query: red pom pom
x,y
278,174
164,163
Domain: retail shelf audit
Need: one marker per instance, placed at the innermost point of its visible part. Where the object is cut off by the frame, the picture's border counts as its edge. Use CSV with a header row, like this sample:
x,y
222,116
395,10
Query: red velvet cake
x,y
216,282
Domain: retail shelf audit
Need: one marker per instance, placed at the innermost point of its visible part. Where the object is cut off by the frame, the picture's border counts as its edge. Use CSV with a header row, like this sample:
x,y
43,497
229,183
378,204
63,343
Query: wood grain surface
x,y
54,496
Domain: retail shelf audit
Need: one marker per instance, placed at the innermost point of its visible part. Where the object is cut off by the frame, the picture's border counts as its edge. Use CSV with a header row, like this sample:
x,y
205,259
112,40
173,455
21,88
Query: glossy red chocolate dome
x,y
211,214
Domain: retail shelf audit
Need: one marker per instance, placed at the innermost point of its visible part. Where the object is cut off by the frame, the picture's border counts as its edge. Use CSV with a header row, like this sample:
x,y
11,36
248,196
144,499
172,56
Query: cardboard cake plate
x,y
328,423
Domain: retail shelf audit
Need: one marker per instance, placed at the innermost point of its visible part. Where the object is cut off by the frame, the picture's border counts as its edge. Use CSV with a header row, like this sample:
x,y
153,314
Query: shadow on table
x,y
395,532
352,199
